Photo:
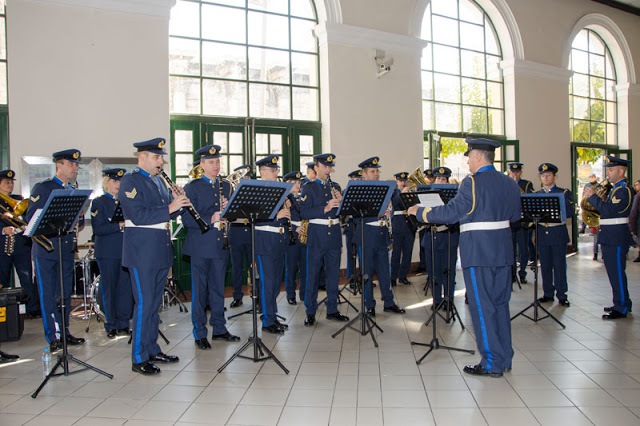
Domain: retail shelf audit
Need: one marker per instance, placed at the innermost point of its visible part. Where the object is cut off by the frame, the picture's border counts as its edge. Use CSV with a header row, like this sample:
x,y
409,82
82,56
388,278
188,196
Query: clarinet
x,y
292,235
204,227
225,233
333,195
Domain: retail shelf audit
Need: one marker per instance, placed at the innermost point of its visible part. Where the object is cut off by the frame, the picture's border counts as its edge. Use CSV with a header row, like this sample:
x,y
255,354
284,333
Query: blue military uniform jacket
x,y
399,223
526,187
375,236
145,203
556,235
485,196
204,196
295,213
313,198
617,205
20,241
108,235
39,195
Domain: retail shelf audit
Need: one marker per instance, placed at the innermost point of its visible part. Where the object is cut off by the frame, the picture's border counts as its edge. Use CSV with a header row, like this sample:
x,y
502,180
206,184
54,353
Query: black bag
x,y
11,322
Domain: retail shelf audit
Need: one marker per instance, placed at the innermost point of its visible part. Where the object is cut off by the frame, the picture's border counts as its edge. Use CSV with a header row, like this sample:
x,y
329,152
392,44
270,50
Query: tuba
x,y
15,210
590,216
416,178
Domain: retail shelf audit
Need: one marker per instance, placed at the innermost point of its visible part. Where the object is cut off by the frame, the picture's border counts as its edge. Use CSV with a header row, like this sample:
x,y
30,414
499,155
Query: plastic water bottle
x,y
46,356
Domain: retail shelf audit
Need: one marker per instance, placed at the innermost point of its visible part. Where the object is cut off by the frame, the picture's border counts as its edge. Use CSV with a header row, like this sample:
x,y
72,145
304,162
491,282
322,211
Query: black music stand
x,y
255,200
365,198
536,208
446,193
57,218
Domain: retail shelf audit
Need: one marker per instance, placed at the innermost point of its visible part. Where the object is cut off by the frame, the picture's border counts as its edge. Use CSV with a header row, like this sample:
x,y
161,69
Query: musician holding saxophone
x,y
295,251
147,252
15,249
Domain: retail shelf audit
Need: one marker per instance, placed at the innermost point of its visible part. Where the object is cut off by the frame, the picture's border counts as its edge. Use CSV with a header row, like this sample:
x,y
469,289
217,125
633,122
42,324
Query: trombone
x,y
16,222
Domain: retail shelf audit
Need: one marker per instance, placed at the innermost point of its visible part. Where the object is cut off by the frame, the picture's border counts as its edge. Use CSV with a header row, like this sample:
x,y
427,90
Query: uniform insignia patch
x,y
94,214
131,194
35,199
615,200
303,198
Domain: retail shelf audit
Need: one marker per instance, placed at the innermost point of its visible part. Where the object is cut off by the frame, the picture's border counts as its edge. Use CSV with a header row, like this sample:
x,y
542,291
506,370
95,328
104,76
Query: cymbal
x,y
87,245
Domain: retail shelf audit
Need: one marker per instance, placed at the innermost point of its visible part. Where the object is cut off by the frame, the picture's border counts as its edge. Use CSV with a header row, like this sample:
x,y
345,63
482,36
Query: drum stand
x,y
94,308
86,276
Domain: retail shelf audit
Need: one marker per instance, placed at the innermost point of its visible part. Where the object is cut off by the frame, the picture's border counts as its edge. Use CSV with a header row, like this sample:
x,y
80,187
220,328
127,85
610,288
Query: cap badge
x,y
212,150
120,173
298,175
545,167
375,161
330,159
10,174
274,160
161,144
76,155
441,171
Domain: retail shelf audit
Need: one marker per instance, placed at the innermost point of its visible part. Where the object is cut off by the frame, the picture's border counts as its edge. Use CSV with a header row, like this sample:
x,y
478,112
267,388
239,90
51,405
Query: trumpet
x,y
204,227
20,224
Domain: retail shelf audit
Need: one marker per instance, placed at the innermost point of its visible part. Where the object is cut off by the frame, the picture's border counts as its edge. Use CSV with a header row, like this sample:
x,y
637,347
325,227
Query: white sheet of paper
x,y
430,200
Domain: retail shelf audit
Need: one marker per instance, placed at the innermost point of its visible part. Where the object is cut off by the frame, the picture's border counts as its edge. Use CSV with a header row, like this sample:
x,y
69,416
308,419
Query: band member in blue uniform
x,y
375,248
319,202
519,233
148,210
295,263
424,257
240,247
15,248
553,239
271,240
115,285
311,172
209,257
403,234
46,263
486,203
349,230
615,237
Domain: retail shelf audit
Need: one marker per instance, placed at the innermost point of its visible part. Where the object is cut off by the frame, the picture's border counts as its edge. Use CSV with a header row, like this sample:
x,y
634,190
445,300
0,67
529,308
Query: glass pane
x,y
275,142
597,132
268,30
610,71
445,7
495,95
580,108
3,83
475,119
223,165
597,87
306,144
223,23
427,116
580,85
580,61
470,12
183,140
220,138
496,122
184,56
234,162
491,41
580,131
612,134
276,6
268,65
184,20
493,68
595,43
262,144
597,110
425,60
427,85
473,92
425,30
580,42
305,104
447,88
224,60
510,153
184,164
3,40
446,59
305,69
596,65
610,89
303,163
303,9
445,31
238,3
182,181
302,37
269,101
184,95
448,117
472,64
472,36
611,116
224,98
235,142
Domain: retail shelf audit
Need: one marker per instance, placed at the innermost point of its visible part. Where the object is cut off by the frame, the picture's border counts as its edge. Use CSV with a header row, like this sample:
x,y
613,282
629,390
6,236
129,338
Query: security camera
x,y
383,63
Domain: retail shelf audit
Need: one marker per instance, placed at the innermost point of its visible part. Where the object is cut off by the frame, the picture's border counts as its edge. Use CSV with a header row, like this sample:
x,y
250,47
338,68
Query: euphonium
x,y
196,172
20,224
590,216
416,178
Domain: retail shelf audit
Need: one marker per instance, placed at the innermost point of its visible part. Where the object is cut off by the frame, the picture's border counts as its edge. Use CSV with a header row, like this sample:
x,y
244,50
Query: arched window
x,y
592,92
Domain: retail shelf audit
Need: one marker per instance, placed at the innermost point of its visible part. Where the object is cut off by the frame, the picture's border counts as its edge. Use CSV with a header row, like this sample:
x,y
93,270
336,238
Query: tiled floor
x,y
586,374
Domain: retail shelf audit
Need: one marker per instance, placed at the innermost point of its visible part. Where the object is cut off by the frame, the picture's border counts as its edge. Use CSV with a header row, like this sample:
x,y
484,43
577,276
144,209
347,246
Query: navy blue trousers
x,y
207,288
615,261
316,259
423,256
148,286
351,259
521,245
295,263
401,254
239,252
22,263
115,290
489,292
553,267
270,269
377,260
48,278
445,257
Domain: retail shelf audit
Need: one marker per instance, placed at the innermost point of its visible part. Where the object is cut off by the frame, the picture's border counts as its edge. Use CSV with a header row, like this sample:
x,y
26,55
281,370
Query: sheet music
x,y
430,200
32,223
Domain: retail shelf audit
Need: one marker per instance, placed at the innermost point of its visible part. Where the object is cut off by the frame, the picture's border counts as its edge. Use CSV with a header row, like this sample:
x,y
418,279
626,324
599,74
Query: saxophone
x,y
304,224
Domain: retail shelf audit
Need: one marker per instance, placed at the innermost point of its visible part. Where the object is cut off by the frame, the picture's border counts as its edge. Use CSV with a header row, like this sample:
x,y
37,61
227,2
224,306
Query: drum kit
x,y
87,285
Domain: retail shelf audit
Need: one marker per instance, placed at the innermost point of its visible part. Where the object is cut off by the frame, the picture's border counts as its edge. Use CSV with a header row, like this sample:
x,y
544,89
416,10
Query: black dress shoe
x,y
309,320
292,301
5,357
637,259
404,281
125,331
395,309
371,312
34,315
545,299
282,325
507,369
227,337
236,303
164,358
322,288
614,315
523,280
564,302
337,316
111,334
393,283
147,368
478,370
273,329
611,308
595,256
203,343
55,345
74,341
